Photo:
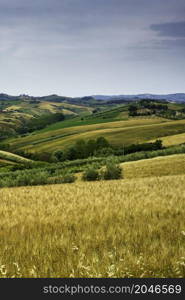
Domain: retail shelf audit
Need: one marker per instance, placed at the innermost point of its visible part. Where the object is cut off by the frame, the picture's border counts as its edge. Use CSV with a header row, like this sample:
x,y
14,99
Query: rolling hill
x,y
117,132
110,216
16,112
178,97
9,159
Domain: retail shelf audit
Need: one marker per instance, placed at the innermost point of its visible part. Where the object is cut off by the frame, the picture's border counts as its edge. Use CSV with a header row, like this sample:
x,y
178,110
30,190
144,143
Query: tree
x,y
59,155
80,148
103,152
101,142
112,171
158,144
71,154
90,147
132,110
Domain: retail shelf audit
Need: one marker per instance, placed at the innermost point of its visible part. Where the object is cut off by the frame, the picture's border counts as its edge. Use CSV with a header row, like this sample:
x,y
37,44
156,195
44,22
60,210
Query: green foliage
x,y
104,152
83,149
68,178
56,171
112,171
91,174
71,154
24,179
59,155
91,147
157,145
101,142
64,178
99,148
132,110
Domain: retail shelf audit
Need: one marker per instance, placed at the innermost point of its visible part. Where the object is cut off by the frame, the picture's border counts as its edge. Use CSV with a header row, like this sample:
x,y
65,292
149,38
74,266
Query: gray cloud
x,y
172,29
79,47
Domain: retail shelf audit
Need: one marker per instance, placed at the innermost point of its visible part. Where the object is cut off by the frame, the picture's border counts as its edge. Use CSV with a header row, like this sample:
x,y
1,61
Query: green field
x,y
119,133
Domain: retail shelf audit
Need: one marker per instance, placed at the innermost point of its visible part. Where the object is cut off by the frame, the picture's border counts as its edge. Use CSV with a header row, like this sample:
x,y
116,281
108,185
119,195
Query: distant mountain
x,y
178,97
7,97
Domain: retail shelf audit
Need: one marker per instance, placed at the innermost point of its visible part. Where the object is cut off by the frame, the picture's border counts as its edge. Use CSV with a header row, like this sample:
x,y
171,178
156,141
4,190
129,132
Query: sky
x,y
88,47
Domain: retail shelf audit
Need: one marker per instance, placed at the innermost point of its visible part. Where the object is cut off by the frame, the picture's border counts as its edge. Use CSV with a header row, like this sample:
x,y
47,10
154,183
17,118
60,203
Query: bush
x,y
112,171
90,175
24,178
68,178
37,179
103,152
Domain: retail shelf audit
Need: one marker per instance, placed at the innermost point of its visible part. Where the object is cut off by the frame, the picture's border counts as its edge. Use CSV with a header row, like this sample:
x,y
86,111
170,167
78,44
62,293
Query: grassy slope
x,y
4,162
17,111
97,230
7,156
158,166
120,132
173,139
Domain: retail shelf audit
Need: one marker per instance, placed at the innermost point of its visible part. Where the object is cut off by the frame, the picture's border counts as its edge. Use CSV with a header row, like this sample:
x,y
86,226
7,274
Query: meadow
x,y
124,228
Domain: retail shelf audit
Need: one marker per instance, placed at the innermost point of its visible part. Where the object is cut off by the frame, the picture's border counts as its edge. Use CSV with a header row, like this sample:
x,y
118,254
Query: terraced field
x,y
120,132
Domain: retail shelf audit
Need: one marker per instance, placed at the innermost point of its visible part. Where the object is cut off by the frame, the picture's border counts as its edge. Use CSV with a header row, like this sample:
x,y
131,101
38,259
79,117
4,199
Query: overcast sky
x,y
86,47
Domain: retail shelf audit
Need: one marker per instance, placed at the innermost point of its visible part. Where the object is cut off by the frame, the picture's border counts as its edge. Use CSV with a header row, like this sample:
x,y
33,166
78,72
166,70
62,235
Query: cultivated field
x,y
118,132
158,166
173,139
120,228
133,227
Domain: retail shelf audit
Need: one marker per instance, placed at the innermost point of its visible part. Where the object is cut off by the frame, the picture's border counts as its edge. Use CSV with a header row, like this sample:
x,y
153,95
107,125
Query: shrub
x,y
68,178
112,171
90,174
103,152
26,179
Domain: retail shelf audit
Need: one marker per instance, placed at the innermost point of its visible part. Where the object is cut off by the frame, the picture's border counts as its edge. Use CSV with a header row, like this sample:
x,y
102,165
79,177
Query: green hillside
x,y
124,124
16,114
7,156
117,132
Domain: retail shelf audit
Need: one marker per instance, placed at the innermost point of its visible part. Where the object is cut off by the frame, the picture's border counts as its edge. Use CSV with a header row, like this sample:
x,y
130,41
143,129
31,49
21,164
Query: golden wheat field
x,y
158,166
123,228
173,139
